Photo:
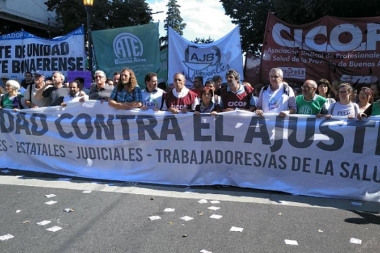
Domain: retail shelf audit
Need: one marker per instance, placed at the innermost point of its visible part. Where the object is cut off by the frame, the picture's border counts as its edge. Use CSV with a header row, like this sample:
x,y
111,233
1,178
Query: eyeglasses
x,y
306,88
343,92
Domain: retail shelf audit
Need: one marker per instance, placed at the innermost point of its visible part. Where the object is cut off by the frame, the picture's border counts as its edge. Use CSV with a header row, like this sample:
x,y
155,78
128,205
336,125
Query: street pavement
x,y
111,216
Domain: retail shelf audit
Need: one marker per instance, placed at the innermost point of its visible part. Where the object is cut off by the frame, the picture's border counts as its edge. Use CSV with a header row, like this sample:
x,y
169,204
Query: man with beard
x,y
30,94
152,95
55,92
127,94
75,94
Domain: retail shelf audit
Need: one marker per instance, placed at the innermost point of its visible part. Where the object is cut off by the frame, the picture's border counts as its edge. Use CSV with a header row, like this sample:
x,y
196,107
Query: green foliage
x,y
173,20
251,15
203,40
105,14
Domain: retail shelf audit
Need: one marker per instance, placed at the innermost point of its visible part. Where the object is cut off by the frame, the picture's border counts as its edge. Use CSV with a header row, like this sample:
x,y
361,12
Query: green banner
x,y
134,47
163,72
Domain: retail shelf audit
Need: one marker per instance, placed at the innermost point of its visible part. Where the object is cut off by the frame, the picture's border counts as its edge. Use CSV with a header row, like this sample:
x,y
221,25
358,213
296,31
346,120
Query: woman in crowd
x,y
206,104
210,85
344,107
365,98
127,94
324,90
13,99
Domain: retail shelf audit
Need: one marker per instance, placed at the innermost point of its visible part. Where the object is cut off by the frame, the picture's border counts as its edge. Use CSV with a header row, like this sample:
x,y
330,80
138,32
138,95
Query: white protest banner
x,y
204,60
300,154
21,52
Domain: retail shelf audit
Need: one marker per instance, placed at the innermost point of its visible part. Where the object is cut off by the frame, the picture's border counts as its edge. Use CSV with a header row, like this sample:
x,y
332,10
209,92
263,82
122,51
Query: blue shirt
x,y
125,96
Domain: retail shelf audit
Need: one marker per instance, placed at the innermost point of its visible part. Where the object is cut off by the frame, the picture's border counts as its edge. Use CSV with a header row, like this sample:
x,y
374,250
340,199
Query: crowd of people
x,y
122,91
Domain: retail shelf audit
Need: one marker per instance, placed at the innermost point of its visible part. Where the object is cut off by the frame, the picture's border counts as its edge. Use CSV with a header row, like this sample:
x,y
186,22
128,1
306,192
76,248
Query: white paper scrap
x,y
169,210
216,216
43,223
64,179
202,201
238,125
5,171
156,217
18,211
51,202
236,229
213,208
355,241
6,237
356,203
54,229
87,191
186,218
291,242
50,196
214,201
205,251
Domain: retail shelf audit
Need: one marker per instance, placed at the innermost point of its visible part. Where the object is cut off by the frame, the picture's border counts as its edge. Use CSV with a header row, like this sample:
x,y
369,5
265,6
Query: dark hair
x,y
80,82
162,85
209,91
368,92
149,76
327,83
234,73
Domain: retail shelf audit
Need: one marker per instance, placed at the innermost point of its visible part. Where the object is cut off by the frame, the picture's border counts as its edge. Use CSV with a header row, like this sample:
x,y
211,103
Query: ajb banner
x,y
345,49
204,60
134,47
22,51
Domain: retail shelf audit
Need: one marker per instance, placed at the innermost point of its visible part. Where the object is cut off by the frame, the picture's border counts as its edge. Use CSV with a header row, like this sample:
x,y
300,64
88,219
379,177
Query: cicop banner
x,y
21,52
134,47
345,49
335,157
204,60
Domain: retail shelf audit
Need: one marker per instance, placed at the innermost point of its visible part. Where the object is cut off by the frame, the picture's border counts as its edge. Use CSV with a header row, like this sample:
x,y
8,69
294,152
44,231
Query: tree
x,y
203,40
105,14
251,15
173,20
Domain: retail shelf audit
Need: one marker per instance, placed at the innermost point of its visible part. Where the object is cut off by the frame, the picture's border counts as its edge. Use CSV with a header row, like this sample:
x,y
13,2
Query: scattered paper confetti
x,y
213,208
279,213
51,202
184,235
238,125
320,231
68,210
50,196
18,211
169,210
64,179
54,229
43,223
291,242
200,213
205,251
6,237
186,218
26,221
156,217
214,201
87,191
236,229
6,171
356,203
202,201
355,241
216,216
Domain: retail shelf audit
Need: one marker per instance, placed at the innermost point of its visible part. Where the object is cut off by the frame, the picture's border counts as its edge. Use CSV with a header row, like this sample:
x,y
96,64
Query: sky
x,y
203,18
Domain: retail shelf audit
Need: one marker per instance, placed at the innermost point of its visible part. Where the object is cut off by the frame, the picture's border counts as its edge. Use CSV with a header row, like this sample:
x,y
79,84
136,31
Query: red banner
x,y
345,49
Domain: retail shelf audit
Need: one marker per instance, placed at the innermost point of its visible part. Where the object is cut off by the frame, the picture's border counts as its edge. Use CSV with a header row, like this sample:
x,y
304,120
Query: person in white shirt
x,y
278,97
75,94
344,107
151,95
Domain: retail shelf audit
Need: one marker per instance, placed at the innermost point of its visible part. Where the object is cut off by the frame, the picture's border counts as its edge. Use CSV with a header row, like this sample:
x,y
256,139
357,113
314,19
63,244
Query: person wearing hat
x,y
13,99
30,94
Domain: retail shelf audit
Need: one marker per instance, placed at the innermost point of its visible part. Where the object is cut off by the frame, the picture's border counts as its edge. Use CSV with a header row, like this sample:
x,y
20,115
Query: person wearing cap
x,y
13,99
30,94
28,80
55,92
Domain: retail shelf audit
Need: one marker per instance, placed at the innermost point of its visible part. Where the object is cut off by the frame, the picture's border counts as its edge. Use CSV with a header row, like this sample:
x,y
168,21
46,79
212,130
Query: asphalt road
x,y
119,217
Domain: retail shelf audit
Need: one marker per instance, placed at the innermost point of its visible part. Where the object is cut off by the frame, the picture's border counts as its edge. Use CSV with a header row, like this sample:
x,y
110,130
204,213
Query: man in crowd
x,y
236,95
198,85
115,78
55,92
30,94
309,102
180,98
218,83
151,95
278,97
28,80
100,90
75,94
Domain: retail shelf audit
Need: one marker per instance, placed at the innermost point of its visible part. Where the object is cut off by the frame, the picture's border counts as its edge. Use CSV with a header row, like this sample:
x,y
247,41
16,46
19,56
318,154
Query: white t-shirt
x,y
337,109
276,101
152,99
